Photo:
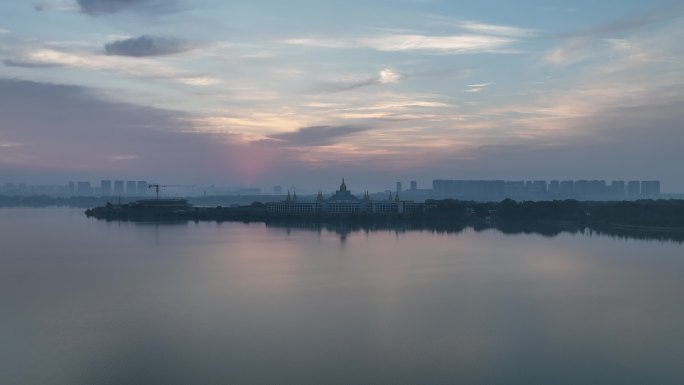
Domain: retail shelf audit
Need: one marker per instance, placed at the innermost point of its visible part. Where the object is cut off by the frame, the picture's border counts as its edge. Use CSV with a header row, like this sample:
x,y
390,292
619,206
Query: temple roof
x,y
342,195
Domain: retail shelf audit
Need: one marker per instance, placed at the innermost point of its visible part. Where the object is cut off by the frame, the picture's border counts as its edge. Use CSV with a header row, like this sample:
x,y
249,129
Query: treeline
x,y
648,213
566,210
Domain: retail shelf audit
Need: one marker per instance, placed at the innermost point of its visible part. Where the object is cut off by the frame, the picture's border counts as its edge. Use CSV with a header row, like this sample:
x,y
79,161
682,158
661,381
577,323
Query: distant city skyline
x,y
468,189
267,92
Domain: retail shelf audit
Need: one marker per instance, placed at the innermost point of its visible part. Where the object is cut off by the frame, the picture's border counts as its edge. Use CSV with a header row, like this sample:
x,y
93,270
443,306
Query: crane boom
x,y
157,186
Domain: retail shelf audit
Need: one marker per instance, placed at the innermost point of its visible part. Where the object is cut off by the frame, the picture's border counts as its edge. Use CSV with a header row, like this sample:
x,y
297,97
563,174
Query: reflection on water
x,y
550,229
94,302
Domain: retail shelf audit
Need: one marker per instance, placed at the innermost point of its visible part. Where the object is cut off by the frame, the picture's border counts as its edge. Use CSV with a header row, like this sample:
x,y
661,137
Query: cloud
x,y
118,158
103,7
572,51
27,63
477,87
350,85
94,7
388,76
146,68
317,135
56,5
494,29
453,44
669,11
10,144
385,76
56,130
577,44
146,45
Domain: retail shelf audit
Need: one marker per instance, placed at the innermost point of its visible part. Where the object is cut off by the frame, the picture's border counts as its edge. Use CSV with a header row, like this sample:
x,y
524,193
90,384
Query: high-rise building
x,y
72,188
617,188
83,189
278,189
131,189
414,185
633,188
106,188
142,188
650,188
118,187
538,187
554,187
398,187
567,188
590,188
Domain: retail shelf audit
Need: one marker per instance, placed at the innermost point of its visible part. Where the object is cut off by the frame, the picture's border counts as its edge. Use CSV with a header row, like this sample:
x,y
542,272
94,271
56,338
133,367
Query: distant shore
x,y
642,215
544,217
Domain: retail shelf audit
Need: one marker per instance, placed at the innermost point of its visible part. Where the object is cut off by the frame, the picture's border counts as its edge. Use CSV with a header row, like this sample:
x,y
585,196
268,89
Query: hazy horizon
x,y
302,94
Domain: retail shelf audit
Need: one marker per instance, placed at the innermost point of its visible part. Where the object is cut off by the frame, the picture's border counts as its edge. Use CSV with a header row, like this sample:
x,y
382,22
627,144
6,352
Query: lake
x,y
93,302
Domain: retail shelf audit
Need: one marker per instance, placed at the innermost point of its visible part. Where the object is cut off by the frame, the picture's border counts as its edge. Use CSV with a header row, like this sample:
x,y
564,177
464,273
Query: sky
x,y
303,93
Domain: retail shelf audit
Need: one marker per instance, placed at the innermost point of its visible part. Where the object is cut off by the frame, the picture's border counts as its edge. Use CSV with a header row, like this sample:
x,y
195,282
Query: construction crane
x,y
157,186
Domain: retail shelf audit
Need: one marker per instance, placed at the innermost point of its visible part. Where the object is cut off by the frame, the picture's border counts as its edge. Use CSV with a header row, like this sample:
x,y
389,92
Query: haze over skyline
x,y
304,93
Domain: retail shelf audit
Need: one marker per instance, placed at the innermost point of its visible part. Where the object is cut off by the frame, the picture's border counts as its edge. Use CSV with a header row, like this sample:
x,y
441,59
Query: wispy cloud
x,y
385,76
5,144
571,51
494,29
139,68
453,44
147,45
317,135
661,13
477,87
118,158
450,44
577,44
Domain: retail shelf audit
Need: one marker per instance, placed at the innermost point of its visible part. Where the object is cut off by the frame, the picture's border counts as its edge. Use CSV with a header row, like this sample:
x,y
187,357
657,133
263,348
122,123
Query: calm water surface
x,y
89,302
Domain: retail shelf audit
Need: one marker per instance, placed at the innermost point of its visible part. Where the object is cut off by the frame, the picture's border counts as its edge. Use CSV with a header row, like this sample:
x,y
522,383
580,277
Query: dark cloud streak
x,y
667,12
317,135
95,7
23,63
348,86
104,7
146,45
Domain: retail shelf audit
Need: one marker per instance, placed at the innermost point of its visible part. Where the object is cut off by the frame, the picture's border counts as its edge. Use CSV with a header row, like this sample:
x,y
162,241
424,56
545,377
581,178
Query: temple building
x,y
343,202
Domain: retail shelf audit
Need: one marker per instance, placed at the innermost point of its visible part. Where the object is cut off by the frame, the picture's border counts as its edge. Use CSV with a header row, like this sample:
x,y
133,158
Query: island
x,y
651,219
